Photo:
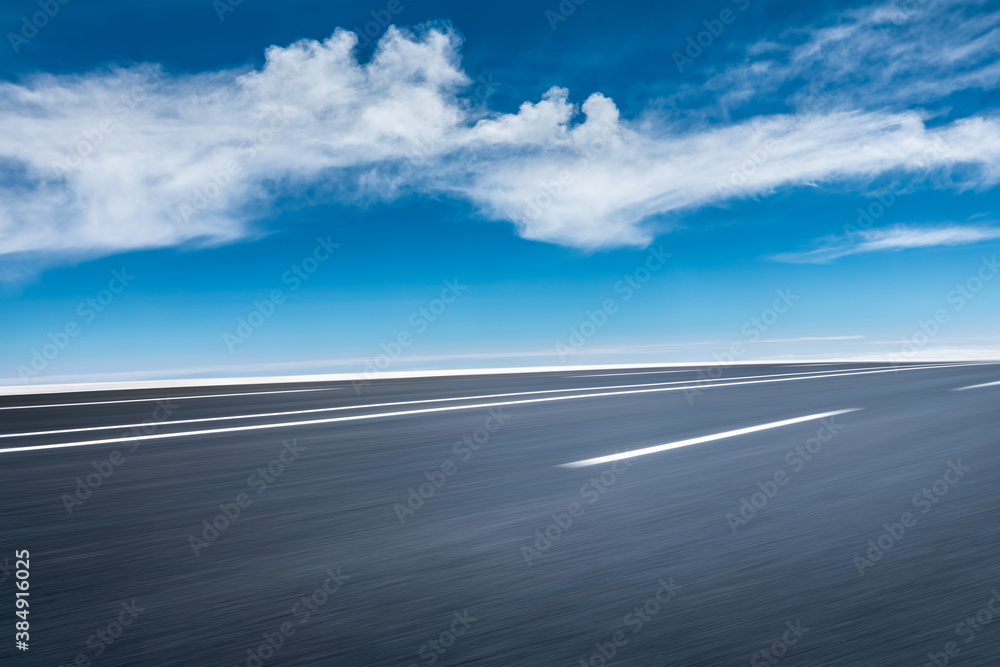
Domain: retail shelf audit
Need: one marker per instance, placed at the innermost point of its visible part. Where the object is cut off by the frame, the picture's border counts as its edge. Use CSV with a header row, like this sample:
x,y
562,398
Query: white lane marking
x,y
816,373
166,398
604,375
823,363
330,420
17,389
695,369
287,413
705,438
293,391
977,386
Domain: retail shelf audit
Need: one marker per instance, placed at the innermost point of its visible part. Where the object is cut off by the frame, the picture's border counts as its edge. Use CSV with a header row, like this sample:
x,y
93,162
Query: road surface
x,y
799,514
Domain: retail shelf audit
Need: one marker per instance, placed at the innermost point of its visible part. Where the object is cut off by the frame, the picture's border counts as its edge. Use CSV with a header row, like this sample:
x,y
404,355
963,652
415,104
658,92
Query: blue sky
x,y
541,157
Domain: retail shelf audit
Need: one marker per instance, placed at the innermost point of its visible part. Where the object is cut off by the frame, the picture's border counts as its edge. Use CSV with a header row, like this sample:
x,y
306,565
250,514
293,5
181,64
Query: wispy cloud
x,y
889,54
133,158
807,338
899,237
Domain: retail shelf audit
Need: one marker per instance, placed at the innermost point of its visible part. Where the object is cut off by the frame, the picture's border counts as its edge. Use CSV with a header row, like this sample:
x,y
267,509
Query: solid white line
x,y
330,420
696,369
824,363
21,390
287,413
604,375
977,386
816,373
166,398
293,391
705,438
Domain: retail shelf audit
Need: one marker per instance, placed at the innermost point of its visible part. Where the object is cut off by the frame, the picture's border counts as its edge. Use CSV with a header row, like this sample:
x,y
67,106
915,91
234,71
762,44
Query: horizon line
x,y
80,387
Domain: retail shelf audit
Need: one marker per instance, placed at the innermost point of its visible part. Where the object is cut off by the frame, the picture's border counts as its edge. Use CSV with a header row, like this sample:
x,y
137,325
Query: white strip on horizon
x,y
705,438
21,389
977,386
330,420
166,398
287,413
435,400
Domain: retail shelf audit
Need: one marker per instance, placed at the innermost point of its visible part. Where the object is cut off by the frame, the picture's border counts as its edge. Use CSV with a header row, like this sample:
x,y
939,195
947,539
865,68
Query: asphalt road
x,y
457,521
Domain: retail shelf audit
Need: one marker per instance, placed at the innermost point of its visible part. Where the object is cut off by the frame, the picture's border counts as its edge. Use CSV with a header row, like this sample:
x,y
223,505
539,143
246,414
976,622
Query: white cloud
x,y
889,54
899,237
135,158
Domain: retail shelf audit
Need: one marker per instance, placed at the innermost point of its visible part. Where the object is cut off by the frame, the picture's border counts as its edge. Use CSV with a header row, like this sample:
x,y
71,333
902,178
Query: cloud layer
x,y
136,158
895,53
898,237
